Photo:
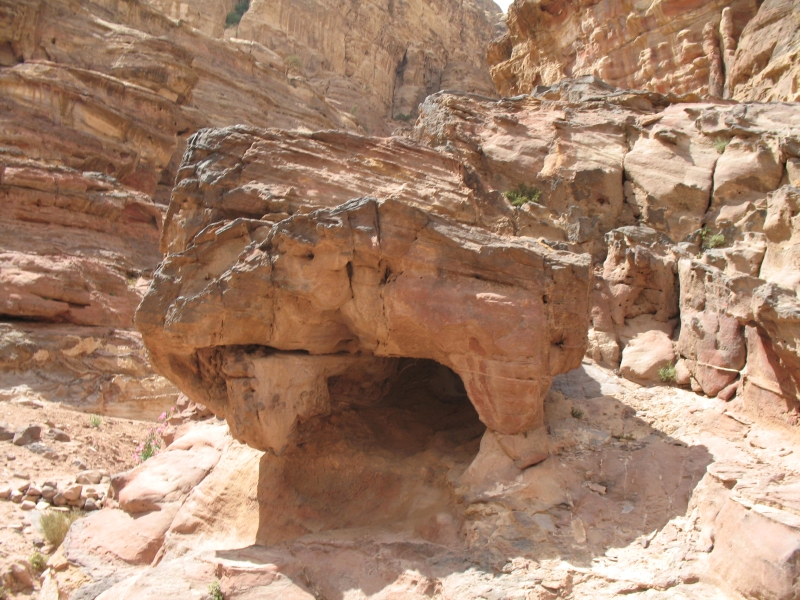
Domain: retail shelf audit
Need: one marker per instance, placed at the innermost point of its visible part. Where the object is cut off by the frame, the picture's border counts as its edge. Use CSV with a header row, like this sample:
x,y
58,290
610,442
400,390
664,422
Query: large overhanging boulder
x,y
265,321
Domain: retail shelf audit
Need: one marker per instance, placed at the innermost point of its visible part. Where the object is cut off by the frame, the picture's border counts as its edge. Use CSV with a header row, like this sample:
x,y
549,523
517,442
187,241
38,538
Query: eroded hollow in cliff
x,y
390,463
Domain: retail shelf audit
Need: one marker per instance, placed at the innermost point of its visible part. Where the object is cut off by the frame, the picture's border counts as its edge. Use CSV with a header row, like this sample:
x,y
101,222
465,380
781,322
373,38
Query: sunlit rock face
x,y
265,299
375,60
97,100
739,49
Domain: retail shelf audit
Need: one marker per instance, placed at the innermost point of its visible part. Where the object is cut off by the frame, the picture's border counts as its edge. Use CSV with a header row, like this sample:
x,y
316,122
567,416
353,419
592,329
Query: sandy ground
x,y
109,447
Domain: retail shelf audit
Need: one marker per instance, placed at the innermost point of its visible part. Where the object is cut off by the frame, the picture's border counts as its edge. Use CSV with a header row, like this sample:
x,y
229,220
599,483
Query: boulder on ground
x,y
645,355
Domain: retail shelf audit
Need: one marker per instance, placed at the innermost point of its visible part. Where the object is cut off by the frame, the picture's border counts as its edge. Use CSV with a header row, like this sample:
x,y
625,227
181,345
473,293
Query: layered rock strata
x,y
687,206
96,104
738,49
337,293
378,60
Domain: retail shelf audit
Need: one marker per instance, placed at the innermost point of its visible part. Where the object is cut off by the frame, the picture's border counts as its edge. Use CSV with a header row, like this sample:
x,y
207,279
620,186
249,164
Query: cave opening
x,y
391,463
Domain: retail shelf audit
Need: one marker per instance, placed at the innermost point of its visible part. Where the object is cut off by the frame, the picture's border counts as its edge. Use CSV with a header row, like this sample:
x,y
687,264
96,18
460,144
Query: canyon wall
x,y
739,49
98,99
376,60
689,208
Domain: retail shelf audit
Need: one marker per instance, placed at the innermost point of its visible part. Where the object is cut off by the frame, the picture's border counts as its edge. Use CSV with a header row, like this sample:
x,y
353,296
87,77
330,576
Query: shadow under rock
x,y
367,499
611,479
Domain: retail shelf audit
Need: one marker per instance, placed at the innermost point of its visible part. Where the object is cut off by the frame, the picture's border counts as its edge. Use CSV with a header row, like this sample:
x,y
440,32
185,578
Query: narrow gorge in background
x,y
400,299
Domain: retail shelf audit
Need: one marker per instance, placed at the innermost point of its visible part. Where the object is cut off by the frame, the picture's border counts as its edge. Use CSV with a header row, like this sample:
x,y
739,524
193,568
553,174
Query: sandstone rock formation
x,y
739,49
367,504
377,61
765,67
699,189
371,278
91,137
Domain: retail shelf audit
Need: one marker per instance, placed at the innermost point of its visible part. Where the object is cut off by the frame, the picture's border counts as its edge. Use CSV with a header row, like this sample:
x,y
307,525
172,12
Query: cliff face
x,y
97,99
376,60
737,49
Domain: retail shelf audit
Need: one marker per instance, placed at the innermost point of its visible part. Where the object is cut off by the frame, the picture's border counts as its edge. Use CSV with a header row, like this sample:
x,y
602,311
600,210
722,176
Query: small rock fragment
x,y
27,505
596,487
72,492
27,434
89,477
6,432
58,435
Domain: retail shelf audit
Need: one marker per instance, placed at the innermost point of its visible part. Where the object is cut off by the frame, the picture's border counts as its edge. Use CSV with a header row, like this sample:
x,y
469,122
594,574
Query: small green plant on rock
x,y
720,144
152,443
715,241
576,413
403,117
55,524
294,62
235,16
522,194
215,591
148,448
38,561
709,242
667,373
95,421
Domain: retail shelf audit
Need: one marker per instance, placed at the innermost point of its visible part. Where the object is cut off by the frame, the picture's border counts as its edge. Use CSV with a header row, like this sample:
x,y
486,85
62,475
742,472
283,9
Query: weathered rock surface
x,y
657,490
96,105
702,186
765,67
351,285
377,61
738,49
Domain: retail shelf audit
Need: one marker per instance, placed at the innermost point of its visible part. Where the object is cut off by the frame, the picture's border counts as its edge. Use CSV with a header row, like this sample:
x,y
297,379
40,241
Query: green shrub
x,y
715,241
95,421
294,62
522,194
235,16
720,144
38,561
709,242
215,591
403,117
54,524
148,448
576,413
667,373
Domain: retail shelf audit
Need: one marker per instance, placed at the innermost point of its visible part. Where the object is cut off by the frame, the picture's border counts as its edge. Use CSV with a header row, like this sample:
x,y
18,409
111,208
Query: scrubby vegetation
x,y
95,421
709,242
235,16
667,373
55,524
215,591
720,144
294,61
576,413
38,561
522,194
